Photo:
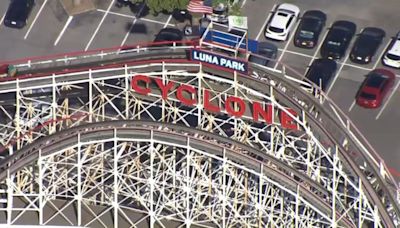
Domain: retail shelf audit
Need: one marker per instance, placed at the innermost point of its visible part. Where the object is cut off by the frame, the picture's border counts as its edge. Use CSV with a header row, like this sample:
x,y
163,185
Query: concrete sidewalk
x,y
73,7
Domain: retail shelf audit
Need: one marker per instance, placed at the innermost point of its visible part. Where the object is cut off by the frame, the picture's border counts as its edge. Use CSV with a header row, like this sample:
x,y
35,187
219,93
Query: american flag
x,y
196,6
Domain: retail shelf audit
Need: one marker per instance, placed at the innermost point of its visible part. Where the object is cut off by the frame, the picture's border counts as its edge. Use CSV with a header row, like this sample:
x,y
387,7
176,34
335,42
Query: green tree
x,y
157,6
235,10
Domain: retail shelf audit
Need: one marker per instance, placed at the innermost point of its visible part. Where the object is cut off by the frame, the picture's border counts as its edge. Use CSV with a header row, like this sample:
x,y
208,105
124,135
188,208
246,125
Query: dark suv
x,y
18,13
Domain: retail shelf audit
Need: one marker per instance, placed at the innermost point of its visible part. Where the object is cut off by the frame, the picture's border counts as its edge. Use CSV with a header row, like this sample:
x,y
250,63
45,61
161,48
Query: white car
x,y
392,56
282,22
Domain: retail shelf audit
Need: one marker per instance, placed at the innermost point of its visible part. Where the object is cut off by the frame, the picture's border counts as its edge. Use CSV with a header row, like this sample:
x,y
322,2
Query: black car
x,y
338,39
18,13
169,34
366,45
182,15
309,29
321,72
265,49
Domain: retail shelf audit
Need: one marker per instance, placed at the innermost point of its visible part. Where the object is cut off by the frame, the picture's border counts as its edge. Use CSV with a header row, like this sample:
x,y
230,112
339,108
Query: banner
x,y
237,22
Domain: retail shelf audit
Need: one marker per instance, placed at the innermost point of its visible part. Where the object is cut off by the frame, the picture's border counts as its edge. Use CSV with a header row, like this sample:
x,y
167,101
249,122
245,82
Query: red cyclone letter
x,y
135,85
230,109
164,88
190,90
258,110
207,104
287,121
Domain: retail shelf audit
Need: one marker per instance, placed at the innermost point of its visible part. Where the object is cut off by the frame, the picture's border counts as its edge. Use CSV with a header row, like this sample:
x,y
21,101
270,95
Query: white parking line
x,y
115,13
244,2
34,20
358,67
2,18
319,47
167,22
295,53
387,101
133,17
130,29
129,32
265,22
98,27
352,105
337,75
63,30
382,53
287,45
313,56
154,21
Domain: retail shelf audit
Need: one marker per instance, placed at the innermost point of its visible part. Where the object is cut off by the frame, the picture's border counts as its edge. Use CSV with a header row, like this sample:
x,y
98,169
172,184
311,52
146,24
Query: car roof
x,y
309,24
18,10
375,80
280,19
170,30
321,69
324,65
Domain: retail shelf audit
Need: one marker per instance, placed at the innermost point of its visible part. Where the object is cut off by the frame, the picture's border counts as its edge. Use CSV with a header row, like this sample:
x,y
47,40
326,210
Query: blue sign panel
x,y
231,40
219,60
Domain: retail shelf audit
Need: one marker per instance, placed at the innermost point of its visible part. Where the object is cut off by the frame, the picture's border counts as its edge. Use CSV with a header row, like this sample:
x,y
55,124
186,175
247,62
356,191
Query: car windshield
x,y
306,34
282,14
368,96
275,29
286,11
393,57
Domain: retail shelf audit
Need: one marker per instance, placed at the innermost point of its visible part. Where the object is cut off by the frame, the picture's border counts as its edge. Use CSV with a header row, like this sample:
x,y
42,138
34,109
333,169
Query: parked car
x,y
310,27
338,39
392,55
265,49
366,45
182,15
282,22
375,87
321,72
18,12
169,34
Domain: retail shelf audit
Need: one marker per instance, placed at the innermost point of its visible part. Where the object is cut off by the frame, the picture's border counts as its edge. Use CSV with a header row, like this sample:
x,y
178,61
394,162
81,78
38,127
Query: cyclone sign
x,y
222,61
233,106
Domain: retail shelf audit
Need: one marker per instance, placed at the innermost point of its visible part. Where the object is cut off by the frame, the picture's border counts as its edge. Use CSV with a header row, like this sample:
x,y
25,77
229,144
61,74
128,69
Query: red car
x,y
374,88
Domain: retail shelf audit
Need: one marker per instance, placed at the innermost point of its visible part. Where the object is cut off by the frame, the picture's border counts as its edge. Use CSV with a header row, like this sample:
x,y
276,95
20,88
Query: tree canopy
x,y
157,6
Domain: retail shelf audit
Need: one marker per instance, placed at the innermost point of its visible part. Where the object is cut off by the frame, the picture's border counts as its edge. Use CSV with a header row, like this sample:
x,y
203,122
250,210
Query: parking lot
x,y
378,125
50,30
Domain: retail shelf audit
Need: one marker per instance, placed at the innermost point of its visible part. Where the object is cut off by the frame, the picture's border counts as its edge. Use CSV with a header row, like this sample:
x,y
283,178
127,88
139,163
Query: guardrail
x,y
92,56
